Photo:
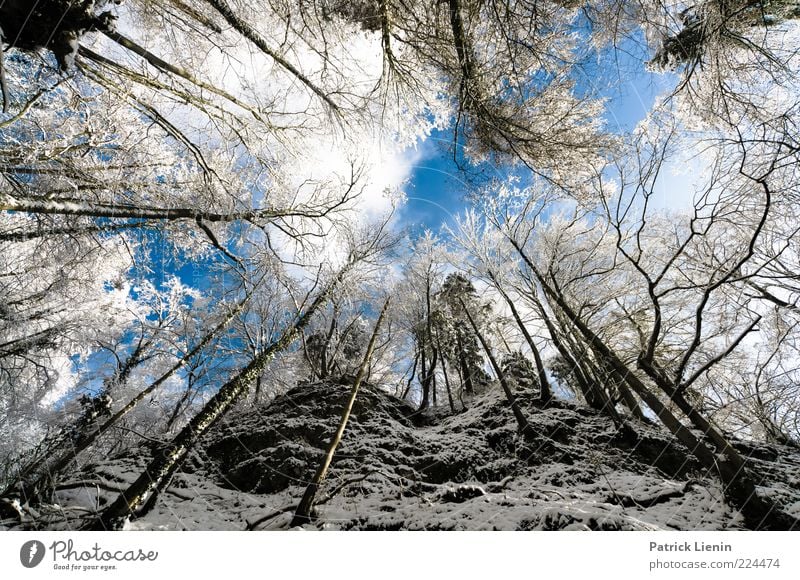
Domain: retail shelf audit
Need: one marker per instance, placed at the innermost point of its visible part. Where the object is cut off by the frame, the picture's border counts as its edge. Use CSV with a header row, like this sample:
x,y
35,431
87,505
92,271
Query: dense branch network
x,y
187,218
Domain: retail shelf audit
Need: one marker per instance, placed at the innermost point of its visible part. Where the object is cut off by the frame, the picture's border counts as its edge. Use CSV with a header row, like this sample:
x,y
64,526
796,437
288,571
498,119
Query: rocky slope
x,y
397,470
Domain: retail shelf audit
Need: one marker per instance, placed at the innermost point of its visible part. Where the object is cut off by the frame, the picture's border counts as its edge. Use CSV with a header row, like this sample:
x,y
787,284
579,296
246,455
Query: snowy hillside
x,y
397,470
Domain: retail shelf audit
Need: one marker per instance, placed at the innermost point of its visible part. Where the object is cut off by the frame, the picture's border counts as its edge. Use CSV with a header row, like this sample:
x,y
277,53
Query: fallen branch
x,y
648,502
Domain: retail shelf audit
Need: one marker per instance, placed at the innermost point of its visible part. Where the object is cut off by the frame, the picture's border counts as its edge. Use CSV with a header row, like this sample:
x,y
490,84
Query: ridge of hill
x,y
397,469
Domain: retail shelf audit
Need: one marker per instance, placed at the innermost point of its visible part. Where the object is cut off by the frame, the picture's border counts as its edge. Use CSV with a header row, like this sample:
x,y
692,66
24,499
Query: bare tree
x,y
669,280
304,509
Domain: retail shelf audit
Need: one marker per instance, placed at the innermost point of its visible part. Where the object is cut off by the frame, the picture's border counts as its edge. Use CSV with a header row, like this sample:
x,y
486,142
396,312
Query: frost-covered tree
x,y
458,342
651,306
188,186
422,277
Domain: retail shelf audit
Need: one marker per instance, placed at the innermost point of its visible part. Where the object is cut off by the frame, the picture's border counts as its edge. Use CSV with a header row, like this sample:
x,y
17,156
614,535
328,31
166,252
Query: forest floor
x,y
400,470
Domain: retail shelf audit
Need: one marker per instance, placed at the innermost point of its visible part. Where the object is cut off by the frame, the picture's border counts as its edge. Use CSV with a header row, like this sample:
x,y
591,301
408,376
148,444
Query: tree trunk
x,y
545,391
585,385
524,427
303,513
434,388
176,412
324,364
466,376
427,379
629,400
447,382
164,464
411,377
33,482
738,487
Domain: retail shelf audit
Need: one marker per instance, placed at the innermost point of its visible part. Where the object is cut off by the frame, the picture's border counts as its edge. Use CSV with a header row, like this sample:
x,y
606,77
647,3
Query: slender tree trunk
x,y
428,375
447,383
466,375
585,385
461,390
31,484
324,364
629,400
593,368
545,391
303,513
411,377
698,420
427,379
163,466
738,486
524,427
626,395
184,398
423,375
257,394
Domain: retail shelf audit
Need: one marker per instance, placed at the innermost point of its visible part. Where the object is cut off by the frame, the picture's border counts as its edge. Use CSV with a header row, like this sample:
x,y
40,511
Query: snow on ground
x,y
399,470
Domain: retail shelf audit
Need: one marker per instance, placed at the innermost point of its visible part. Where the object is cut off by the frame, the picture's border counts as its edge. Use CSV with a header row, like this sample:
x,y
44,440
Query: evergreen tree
x,y
461,346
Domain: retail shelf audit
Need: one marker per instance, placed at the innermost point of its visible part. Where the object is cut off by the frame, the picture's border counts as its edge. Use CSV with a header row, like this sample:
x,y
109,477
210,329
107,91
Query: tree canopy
x,y
201,205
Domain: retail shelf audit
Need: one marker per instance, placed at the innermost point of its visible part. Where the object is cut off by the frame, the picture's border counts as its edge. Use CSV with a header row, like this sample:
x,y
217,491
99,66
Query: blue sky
x,y
436,187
